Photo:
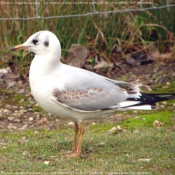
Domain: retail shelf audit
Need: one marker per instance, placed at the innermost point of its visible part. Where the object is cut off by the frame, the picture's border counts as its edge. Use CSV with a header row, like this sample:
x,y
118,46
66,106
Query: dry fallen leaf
x,y
157,124
42,121
166,55
116,130
23,127
155,54
103,64
144,160
11,126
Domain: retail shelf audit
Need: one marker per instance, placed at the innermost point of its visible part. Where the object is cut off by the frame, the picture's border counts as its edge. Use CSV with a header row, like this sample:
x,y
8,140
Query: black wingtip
x,y
152,99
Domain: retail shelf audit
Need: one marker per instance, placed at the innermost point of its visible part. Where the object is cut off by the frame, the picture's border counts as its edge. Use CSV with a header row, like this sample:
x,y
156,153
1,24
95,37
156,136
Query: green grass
x,y
146,120
27,151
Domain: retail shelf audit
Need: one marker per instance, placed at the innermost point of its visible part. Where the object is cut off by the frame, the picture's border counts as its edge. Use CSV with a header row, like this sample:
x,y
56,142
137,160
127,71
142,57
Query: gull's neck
x,y
45,64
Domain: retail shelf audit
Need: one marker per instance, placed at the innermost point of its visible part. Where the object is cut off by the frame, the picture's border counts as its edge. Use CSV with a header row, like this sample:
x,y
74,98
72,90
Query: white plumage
x,y
71,92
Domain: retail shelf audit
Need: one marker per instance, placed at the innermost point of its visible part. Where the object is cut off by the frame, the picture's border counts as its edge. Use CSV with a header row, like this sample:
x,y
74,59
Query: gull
x,y
78,94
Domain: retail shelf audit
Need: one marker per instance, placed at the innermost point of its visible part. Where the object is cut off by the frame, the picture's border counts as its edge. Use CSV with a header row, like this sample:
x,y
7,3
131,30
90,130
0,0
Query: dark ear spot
x,y
46,43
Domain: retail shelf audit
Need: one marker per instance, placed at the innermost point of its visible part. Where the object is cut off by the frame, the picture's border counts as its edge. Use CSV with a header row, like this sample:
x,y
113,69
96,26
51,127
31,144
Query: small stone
x,y
17,120
30,118
6,111
22,91
10,118
70,124
46,162
5,70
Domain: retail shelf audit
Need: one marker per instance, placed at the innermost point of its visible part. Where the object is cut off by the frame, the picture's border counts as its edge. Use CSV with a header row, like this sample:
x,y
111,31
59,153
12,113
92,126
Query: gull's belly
x,y
42,93
47,101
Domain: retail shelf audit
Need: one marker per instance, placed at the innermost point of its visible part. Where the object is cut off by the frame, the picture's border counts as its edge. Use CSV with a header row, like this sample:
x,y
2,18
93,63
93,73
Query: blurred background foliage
x,y
100,32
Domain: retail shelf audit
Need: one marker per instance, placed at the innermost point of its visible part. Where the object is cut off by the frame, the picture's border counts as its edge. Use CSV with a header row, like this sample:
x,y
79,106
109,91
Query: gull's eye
x,y
35,41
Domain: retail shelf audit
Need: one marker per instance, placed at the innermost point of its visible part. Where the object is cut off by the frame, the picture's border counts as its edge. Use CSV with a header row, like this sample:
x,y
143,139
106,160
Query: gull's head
x,y
42,42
